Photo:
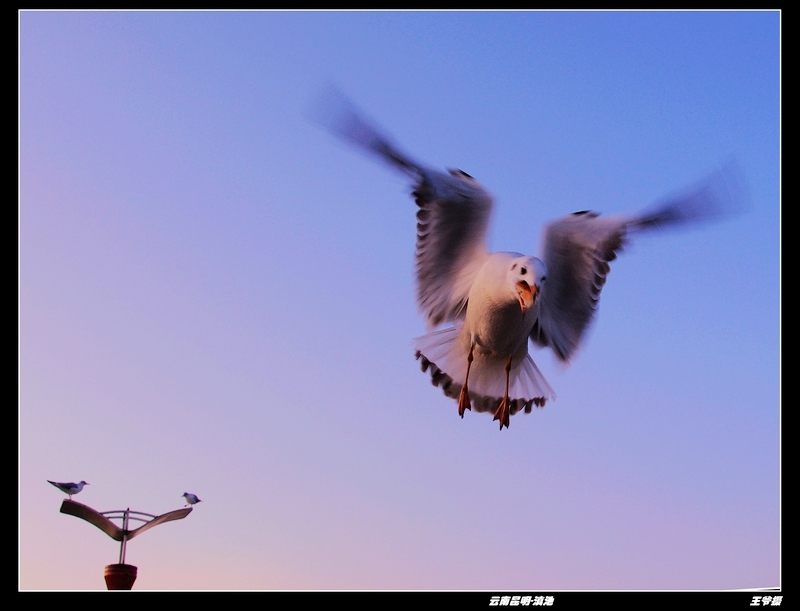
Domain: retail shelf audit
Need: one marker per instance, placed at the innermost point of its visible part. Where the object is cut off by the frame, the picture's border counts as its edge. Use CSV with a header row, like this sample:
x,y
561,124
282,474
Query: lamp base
x,y
120,576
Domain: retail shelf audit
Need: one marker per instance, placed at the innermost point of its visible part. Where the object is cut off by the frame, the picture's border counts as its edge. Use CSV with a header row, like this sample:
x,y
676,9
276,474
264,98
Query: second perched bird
x,y
499,301
70,488
191,499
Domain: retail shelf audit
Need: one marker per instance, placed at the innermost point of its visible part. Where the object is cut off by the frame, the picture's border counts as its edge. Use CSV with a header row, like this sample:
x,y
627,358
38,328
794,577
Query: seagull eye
x,y
544,278
523,270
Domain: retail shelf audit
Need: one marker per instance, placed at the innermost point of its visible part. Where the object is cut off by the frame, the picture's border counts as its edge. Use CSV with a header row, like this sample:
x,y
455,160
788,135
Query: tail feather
x,y
441,352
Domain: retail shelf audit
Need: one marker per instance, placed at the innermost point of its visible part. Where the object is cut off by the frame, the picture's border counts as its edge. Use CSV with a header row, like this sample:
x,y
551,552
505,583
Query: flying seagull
x,y
191,499
70,488
497,302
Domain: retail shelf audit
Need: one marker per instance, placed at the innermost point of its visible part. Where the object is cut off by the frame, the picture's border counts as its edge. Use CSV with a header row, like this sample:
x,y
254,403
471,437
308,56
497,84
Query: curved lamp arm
x,y
79,510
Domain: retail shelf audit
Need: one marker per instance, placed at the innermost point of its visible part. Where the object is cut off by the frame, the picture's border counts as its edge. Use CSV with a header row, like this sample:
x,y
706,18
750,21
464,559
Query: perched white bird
x,y
70,488
499,301
191,499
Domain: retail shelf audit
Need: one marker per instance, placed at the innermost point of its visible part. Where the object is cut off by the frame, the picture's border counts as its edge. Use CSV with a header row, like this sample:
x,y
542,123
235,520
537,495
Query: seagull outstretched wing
x,y
452,220
578,248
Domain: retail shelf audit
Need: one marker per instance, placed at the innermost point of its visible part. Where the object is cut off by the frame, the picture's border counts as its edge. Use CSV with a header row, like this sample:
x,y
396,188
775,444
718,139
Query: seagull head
x,y
526,275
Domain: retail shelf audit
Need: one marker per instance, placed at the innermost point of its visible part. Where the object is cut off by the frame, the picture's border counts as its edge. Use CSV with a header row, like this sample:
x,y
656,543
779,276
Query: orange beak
x,y
526,295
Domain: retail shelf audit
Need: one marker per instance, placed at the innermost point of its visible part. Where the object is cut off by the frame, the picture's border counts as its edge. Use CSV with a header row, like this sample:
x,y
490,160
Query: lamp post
x,y
120,576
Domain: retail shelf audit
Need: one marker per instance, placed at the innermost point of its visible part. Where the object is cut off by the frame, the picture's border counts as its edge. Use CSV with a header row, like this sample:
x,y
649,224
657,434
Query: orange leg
x,y
463,396
502,413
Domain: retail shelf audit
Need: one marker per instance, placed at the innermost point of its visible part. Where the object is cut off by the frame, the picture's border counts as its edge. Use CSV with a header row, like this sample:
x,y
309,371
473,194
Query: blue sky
x,y
216,296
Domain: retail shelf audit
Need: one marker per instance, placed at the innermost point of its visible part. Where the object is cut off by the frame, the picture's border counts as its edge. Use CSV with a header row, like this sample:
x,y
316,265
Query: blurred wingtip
x,y
329,108
720,195
735,193
334,111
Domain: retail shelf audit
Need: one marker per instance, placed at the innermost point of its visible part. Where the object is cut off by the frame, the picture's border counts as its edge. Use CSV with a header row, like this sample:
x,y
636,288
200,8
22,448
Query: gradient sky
x,y
216,296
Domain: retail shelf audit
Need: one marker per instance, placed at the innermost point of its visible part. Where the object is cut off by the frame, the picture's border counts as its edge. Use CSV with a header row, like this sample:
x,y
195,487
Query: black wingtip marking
x,y
456,172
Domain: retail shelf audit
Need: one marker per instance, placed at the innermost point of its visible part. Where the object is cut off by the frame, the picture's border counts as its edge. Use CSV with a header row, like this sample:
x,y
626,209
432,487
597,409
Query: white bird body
x,y
498,302
495,329
492,319
191,499
69,488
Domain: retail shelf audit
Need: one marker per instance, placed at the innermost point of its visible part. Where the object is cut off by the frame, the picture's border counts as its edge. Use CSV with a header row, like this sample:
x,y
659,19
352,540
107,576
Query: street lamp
x,y
120,576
